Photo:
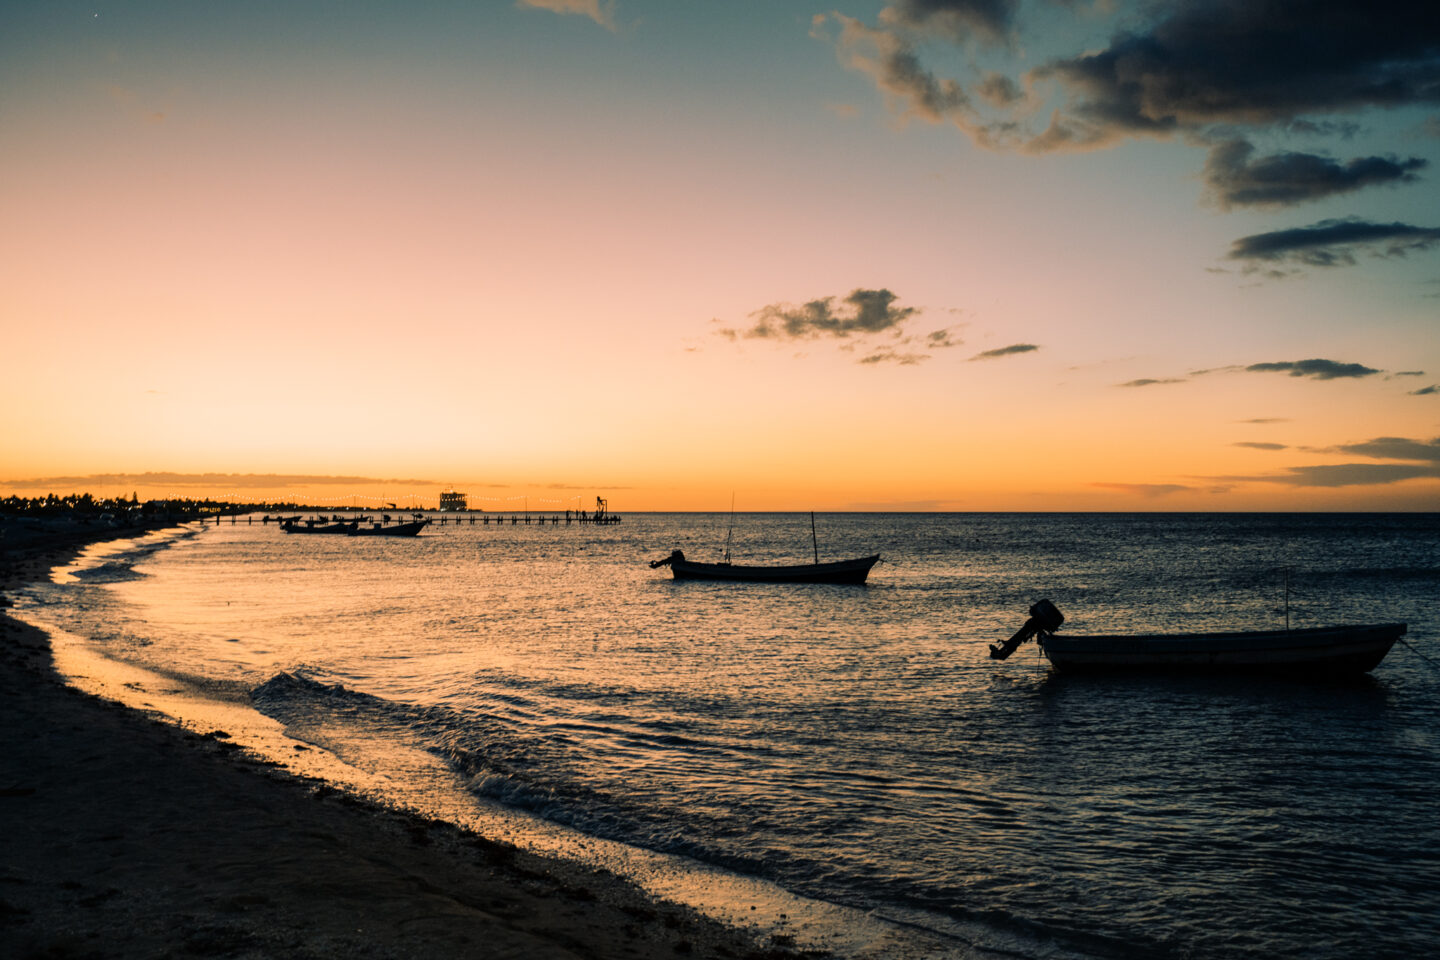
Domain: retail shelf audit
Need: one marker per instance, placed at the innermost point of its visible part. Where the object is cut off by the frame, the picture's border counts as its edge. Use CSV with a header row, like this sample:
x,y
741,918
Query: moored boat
x,y
407,529
836,571
1309,650
319,526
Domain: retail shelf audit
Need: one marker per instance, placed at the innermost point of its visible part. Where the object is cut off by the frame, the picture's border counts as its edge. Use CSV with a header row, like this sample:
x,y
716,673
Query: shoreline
x,y
128,836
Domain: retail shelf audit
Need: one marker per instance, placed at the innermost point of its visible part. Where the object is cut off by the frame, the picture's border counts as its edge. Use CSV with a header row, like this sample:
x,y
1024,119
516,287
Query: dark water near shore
x,y
856,745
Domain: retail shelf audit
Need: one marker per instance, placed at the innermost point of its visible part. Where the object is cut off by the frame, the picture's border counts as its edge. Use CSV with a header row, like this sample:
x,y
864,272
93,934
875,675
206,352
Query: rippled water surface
x,y
856,744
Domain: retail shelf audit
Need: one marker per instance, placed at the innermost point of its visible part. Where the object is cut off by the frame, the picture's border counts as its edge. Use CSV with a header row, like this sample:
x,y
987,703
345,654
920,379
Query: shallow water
x,y
856,745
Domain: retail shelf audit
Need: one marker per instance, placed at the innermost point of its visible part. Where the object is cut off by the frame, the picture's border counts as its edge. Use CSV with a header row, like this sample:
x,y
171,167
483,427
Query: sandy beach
x,y
126,836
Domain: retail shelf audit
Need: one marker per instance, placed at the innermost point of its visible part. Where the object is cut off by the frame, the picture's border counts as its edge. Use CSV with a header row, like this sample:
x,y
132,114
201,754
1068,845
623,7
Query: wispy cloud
x,y
904,358
1151,382
1395,448
1010,351
1429,391
601,13
1343,475
1257,445
1334,243
1154,491
1411,460
1317,369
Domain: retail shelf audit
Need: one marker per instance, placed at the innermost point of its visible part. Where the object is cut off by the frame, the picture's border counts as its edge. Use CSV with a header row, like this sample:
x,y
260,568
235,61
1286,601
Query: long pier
x,y
442,519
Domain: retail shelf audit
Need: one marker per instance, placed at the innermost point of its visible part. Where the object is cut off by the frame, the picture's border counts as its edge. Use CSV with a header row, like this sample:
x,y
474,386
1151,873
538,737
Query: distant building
x,y
450,500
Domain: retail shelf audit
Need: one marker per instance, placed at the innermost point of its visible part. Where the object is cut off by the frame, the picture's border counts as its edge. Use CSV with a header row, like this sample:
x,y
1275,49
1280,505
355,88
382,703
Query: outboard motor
x,y
1044,618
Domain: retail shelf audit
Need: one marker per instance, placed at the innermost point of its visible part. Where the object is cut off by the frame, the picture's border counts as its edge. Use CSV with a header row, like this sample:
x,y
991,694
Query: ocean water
x,y
856,745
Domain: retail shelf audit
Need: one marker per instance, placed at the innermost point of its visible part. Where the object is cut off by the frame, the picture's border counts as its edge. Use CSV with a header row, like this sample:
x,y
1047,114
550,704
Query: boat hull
x,y
398,530
341,528
840,571
1320,650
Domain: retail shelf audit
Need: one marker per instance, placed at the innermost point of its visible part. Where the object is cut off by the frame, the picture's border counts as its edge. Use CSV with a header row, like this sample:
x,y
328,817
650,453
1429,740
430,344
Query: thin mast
x,y
813,542
731,532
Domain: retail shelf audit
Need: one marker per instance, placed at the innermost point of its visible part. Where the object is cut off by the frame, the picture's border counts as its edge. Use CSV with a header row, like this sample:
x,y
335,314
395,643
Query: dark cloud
x,y
1287,179
1009,351
1254,445
1242,62
1316,368
1409,373
1000,90
1419,459
1150,382
1213,72
1431,390
1331,243
1344,475
958,20
869,311
1395,448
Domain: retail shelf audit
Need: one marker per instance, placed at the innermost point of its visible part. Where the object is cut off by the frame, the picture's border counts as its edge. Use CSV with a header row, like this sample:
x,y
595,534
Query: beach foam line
x,y
418,782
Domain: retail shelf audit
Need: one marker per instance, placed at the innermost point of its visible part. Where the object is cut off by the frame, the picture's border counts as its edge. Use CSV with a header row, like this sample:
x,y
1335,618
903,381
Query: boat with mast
x,y
852,571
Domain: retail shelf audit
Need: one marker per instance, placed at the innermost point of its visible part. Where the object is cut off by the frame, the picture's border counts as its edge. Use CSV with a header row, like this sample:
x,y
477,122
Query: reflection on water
x,y
857,745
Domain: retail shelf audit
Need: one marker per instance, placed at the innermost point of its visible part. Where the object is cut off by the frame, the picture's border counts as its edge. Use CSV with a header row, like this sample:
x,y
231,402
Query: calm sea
x,y
856,745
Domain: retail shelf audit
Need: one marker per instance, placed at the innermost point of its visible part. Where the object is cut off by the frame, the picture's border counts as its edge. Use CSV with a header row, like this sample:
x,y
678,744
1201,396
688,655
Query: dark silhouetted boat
x,y
837,571
407,529
1311,650
320,526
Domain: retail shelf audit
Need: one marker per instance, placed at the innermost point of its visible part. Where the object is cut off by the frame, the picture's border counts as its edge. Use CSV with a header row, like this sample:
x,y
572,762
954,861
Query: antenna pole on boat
x,y
1287,599
731,532
813,542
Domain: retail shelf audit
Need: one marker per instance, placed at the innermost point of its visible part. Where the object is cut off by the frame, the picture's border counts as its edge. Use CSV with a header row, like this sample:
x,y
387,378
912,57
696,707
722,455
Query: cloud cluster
x,y
1408,460
861,314
1213,73
862,311
1197,67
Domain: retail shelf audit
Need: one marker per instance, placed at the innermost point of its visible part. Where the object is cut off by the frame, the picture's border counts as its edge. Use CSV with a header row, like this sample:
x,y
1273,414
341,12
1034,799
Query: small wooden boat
x,y
1311,650
318,526
407,529
836,571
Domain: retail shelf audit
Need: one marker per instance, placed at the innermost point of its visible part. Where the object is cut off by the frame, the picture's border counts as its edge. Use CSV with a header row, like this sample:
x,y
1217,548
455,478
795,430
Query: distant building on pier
x,y
450,501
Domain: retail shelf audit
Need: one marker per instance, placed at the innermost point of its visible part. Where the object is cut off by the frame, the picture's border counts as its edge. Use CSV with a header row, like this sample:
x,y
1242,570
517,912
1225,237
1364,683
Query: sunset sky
x,y
964,255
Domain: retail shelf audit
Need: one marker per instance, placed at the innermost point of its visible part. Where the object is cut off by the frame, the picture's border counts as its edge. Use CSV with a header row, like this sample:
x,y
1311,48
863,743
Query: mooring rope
x,y
1433,665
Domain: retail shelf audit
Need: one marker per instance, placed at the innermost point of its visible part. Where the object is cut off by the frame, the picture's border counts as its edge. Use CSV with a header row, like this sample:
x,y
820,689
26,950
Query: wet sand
x,y
125,836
